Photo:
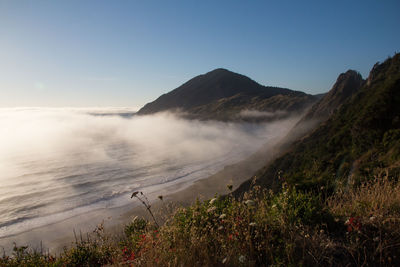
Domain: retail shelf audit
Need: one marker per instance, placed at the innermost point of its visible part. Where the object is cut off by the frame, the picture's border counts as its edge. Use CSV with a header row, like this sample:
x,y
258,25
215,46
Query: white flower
x,y
372,218
242,258
211,209
212,201
222,216
249,202
252,224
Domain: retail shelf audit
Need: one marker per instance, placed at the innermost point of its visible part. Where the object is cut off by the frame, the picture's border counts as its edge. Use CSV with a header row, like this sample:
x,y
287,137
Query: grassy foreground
x,y
355,226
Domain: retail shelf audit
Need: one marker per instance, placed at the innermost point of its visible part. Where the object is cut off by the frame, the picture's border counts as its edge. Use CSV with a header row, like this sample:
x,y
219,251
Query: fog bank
x,y
58,163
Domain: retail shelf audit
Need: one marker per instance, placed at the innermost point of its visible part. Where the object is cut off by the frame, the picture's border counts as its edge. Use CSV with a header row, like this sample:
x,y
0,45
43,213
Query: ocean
x,y
56,163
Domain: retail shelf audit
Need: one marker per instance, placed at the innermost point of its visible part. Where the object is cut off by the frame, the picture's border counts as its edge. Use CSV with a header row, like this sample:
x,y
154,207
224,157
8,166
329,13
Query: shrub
x,y
293,207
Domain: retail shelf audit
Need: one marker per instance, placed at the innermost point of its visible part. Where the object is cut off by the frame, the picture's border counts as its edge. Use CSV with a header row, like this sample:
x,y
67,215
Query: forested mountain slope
x,y
359,141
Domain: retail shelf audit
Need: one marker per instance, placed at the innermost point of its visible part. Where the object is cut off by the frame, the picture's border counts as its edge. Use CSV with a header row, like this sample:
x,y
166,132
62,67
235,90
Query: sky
x,y
82,53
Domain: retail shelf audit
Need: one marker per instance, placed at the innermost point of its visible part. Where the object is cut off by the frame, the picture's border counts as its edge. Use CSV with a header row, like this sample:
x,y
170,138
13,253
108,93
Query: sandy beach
x,y
54,237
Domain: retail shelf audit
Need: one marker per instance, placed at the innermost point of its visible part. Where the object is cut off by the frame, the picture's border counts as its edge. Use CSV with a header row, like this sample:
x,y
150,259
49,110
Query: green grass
x,y
355,226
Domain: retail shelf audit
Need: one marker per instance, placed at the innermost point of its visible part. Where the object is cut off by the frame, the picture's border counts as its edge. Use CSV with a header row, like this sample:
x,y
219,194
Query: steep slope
x,y
346,85
222,94
359,141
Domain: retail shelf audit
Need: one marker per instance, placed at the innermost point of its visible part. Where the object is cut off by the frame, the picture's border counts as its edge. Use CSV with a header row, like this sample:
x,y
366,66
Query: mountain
x,y
359,141
225,95
346,85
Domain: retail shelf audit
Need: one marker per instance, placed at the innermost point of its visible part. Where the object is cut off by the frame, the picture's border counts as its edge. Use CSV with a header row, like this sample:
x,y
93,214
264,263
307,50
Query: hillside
x,y
359,141
351,217
346,85
225,95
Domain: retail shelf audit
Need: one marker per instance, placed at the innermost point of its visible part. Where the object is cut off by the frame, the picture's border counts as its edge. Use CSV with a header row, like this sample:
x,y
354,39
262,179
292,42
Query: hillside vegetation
x,y
333,199
289,228
358,142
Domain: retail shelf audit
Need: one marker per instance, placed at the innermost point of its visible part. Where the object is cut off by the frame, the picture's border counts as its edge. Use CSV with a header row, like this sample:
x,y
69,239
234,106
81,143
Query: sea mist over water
x,y
59,163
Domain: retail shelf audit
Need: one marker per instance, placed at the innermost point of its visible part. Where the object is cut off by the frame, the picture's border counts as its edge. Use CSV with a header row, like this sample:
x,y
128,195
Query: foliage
x,y
338,203
360,140
289,228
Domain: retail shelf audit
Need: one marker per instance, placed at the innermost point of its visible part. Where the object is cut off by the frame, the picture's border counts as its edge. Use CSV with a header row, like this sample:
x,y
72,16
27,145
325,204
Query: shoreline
x,y
54,237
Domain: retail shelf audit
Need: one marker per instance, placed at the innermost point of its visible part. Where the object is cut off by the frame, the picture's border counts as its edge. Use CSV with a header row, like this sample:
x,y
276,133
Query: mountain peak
x,y
225,74
351,72
221,70
346,80
345,86
212,87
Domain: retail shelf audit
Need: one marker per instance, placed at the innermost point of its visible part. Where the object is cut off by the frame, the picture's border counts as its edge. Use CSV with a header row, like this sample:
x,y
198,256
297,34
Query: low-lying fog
x,y
58,163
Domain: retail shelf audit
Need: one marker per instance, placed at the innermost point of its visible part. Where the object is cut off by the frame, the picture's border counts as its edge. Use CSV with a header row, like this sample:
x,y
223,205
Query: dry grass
x,y
378,199
357,227
256,231
372,214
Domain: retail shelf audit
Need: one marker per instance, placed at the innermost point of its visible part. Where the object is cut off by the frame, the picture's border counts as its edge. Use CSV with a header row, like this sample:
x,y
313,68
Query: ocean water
x,y
59,163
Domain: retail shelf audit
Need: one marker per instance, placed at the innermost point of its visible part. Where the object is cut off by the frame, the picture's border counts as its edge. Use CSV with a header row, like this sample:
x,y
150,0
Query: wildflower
x,y
249,202
353,223
242,258
212,201
51,258
211,209
222,216
252,224
132,256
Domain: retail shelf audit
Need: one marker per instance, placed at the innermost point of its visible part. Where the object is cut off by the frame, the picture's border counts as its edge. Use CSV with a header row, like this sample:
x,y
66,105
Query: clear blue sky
x,y
126,53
